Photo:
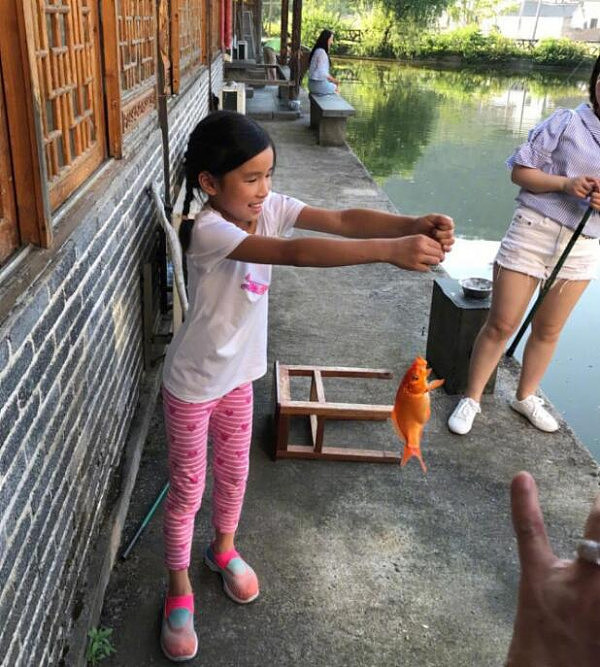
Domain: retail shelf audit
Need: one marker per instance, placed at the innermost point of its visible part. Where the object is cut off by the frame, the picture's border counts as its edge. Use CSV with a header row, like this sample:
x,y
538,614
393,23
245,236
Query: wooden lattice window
x,y
67,76
137,45
130,53
188,38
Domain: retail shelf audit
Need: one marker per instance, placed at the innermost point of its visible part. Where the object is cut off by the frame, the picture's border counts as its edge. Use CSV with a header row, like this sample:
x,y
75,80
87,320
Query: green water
x,y
437,140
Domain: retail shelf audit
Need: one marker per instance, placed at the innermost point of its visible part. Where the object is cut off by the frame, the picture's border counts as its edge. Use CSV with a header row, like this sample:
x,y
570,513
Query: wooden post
x,y
283,50
175,47
162,69
112,78
295,57
23,100
258,30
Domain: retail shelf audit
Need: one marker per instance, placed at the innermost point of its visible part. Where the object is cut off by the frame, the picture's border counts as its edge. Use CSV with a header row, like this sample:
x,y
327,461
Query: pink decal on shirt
x,y
252,286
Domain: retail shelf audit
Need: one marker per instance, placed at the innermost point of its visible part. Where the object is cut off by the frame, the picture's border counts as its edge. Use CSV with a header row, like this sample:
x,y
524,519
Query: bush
x,y
551,51
316,20
467,43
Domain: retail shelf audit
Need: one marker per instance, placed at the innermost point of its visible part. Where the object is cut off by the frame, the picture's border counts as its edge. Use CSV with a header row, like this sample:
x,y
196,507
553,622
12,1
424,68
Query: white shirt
x,y
319,65
223,342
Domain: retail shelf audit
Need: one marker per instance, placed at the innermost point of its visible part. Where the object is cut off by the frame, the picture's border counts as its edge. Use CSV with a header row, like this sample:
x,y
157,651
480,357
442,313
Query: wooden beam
x,y
338,454
295,56
23,103
362,411
9,229
339,371
112,77
175,54
283,38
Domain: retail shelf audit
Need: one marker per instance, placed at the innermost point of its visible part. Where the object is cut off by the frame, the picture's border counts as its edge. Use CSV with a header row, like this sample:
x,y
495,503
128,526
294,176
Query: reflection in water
x,y
437,141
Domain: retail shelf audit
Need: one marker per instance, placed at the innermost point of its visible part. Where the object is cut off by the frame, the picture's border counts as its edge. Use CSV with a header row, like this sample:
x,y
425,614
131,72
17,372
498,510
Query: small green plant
x,y
100,645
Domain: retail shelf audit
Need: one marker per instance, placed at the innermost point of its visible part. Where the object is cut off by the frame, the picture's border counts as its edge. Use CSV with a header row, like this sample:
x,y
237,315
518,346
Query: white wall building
x,y
534,20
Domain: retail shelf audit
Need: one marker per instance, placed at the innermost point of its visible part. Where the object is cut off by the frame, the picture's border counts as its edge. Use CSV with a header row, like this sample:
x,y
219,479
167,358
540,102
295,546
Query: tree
x,y
418,12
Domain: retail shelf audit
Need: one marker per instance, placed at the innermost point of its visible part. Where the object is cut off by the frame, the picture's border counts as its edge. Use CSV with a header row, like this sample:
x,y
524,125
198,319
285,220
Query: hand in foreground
x,y
558,614
438,227
415,253
584,186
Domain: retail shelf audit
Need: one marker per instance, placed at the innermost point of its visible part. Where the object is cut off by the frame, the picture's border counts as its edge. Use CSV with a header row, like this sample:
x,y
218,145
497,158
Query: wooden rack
x,y
318,410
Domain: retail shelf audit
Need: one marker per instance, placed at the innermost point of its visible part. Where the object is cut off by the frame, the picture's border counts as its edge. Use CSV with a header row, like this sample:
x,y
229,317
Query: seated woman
x,y
320,81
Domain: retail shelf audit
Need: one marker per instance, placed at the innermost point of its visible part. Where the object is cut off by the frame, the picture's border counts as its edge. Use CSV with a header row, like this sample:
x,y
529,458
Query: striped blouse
x,y
567,143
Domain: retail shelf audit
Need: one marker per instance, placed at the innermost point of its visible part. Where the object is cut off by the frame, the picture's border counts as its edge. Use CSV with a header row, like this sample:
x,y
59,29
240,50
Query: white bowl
x,y
476,288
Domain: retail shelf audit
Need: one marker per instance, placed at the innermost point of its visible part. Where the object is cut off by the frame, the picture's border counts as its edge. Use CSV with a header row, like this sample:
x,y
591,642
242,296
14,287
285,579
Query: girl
x,y
320,81
558,169
240,232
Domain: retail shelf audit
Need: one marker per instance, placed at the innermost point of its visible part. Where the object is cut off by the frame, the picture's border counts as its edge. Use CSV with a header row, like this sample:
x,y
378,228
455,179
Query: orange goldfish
x,y
412,409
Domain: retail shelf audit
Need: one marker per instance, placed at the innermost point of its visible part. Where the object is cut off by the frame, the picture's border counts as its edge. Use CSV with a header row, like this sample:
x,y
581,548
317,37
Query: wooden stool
x,y
318,410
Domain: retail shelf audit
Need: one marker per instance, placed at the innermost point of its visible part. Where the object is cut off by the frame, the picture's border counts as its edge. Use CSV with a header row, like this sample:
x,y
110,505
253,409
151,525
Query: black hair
x,y
322,43
220,143
593,79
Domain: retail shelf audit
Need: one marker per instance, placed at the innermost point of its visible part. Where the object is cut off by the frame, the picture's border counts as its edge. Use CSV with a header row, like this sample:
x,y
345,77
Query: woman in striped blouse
x,y
558,171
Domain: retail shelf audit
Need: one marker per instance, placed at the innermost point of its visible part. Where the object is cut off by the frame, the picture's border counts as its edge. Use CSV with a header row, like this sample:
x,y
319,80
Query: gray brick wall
x,y
71,364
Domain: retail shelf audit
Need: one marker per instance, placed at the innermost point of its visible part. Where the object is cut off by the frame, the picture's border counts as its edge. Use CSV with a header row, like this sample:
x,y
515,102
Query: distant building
x,y
535,20
585,22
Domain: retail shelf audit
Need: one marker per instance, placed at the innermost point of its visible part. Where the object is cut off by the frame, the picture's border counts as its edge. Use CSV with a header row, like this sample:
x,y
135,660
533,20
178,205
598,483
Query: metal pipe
x,y
145,521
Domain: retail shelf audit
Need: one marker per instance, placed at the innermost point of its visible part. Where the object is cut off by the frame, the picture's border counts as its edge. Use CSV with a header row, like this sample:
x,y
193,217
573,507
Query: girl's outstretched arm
x,y
362,223
416,253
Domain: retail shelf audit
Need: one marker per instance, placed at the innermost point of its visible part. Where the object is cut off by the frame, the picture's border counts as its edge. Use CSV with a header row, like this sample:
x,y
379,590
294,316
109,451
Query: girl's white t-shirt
x,y
223,342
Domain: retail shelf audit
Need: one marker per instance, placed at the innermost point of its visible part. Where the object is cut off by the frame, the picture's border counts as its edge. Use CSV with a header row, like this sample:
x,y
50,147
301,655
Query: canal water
x,y
437,140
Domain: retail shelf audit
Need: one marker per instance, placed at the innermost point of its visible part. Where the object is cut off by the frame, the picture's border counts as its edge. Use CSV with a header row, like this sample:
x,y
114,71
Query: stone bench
x,y
328,115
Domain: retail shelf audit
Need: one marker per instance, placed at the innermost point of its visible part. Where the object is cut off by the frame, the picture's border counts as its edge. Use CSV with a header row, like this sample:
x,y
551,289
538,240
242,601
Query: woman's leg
x,y
546,326
187,431
510,297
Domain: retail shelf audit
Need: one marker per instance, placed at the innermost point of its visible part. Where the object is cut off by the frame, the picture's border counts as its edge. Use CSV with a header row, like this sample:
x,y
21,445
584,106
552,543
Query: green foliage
x,y
466,12
384,38
559,51
316,19
418,12
394,29
99,645
510,9
468,43
381,35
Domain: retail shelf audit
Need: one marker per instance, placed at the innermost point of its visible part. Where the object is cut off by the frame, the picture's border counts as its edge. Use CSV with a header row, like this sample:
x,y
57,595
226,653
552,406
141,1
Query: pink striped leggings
x,y
228,422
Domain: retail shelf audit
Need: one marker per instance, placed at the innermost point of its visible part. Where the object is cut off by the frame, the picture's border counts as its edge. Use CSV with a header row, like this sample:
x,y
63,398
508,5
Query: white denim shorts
x,y
533,244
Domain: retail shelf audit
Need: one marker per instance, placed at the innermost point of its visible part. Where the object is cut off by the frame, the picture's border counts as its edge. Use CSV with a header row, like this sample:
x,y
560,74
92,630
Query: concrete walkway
x,y
360,564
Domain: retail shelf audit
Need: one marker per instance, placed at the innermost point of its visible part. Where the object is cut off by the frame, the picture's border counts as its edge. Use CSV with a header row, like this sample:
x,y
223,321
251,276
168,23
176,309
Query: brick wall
x,y
71,364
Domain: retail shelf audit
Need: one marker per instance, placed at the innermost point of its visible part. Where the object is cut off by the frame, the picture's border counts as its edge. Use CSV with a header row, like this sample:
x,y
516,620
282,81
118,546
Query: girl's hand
x,y
438,227
415,253
582,186
595,200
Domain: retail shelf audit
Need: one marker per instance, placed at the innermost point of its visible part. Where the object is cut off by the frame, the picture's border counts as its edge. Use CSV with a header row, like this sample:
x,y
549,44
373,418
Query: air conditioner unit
x,y
233,97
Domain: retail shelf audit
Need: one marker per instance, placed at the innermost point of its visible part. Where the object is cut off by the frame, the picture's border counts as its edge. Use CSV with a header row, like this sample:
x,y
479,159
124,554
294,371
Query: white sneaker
x,y
531,407
461,420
